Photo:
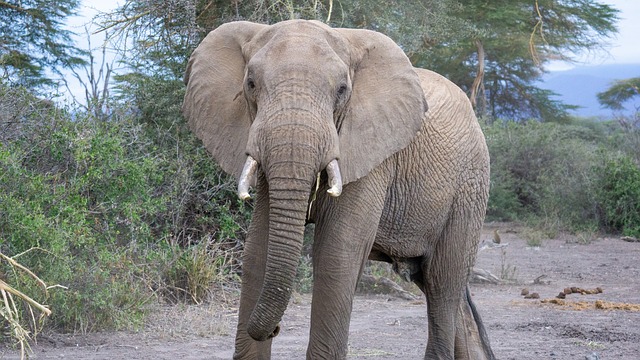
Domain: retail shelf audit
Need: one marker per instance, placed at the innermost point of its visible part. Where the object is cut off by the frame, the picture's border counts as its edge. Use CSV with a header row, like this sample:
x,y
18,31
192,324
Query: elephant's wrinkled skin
x,y
296,95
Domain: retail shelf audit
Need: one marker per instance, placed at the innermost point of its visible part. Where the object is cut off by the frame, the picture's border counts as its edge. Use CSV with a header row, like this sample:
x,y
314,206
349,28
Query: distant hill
x,y
580,85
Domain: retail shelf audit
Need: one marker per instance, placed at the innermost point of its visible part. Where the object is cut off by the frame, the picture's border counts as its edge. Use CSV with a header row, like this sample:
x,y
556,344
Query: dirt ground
x,y
390,327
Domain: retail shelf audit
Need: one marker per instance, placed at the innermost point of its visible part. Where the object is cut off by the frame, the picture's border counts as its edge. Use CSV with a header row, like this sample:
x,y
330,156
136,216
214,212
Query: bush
x,y
619,194
580,176
545,170
113,207
193,272
81,197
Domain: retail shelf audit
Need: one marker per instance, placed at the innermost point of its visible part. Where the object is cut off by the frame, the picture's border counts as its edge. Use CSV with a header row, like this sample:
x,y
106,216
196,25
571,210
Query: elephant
x,y
336,127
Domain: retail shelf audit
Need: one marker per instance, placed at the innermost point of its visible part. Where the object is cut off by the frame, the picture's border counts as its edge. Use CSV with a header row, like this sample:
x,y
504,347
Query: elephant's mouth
x,y
249,174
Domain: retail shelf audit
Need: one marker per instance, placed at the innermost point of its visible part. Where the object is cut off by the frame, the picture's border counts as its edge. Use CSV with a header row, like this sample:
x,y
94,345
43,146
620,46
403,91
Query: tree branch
x,y
477,88
4,4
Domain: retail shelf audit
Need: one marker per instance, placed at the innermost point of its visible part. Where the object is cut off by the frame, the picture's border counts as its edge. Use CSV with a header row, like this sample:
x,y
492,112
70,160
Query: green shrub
x,y
619,194
78,197
193,273
545,170
113,207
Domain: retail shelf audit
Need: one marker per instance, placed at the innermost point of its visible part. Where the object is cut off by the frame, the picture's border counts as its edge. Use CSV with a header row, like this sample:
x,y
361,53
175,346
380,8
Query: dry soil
x,y
391,327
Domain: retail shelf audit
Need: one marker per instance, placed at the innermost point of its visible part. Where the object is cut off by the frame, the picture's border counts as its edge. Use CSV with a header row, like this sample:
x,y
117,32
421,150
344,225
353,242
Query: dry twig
x,y
10,311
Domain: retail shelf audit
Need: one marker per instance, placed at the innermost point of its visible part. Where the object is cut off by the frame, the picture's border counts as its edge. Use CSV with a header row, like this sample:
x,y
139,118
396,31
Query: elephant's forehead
x,y
296,46
296,39
297,55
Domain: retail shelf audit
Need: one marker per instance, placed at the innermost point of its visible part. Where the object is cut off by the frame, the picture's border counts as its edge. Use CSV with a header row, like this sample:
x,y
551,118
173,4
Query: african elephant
x,y
332,127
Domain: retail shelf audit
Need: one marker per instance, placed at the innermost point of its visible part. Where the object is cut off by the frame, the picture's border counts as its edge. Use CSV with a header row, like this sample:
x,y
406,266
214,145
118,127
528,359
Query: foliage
x,y
60,197
619,193
34,40
579,176
113,205
543,169
194,269
495,51
304,275
619,92
499,59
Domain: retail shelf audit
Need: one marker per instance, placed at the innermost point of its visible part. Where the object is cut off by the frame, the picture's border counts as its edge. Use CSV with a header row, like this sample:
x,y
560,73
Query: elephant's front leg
x,y
345,232
253,268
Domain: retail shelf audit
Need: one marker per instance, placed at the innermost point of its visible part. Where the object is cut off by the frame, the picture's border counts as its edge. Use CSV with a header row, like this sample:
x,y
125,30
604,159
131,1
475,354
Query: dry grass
x,y
185,320
592,305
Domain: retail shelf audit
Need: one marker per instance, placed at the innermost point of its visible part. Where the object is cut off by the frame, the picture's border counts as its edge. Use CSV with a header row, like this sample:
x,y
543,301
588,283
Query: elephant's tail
x,y
484,338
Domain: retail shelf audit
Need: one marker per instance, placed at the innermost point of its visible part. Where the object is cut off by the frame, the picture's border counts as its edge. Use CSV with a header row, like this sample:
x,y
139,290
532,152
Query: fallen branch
x,y
10,311
481,276
5,287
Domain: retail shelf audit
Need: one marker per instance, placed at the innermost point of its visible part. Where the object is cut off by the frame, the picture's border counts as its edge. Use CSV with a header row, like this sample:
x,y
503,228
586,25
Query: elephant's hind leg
x,y
445,274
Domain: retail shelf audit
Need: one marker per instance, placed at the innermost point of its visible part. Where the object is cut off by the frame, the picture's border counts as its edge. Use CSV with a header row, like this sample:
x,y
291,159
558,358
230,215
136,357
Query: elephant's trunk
x,y
286,230
292,156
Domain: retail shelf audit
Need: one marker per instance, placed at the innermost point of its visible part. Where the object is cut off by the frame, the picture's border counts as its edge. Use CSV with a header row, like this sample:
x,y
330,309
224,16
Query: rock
x,y
592,356
534,295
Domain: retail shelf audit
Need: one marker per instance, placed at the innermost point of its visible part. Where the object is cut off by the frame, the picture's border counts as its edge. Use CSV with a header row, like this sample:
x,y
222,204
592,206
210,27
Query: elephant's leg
x,y
445,278
253,267
472,341
345,232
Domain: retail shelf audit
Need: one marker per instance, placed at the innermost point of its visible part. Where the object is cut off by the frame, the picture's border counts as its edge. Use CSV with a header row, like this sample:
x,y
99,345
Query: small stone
x,y
567,291
592,356
524,292
534,295
561,295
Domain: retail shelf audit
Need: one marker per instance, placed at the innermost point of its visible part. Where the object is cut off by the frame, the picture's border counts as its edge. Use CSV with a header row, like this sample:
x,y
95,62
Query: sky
x,y
623,48
88,9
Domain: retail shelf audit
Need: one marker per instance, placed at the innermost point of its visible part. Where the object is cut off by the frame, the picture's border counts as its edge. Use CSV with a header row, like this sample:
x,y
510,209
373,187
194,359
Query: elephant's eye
x,y
342,90
251,84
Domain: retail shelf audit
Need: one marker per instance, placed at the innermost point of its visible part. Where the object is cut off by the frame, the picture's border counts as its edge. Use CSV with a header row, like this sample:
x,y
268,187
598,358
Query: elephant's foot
x,y
249,349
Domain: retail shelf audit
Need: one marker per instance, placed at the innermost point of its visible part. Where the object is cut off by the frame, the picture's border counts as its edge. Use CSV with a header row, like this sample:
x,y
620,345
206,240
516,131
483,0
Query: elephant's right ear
x,y
215,109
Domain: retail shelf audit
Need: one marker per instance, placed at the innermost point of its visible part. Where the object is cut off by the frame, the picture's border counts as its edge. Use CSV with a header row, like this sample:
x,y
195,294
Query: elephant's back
x,y
450,125
448,105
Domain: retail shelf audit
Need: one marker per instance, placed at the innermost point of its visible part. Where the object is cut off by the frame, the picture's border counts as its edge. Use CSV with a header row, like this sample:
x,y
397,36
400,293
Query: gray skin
x,y
295,96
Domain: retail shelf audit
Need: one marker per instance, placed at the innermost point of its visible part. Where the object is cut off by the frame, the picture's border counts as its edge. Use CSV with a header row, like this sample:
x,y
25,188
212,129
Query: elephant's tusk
x,y
335,179
247,178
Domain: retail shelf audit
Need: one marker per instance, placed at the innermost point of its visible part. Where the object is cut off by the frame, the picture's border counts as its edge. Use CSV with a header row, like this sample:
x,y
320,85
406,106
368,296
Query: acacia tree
x,y
33,40
616,97
496,51
156,38
619,92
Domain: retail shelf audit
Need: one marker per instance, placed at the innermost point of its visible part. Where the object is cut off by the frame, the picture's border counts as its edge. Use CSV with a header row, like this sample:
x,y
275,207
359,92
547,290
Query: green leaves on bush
x,y
110,204
543,169
562,174
619,195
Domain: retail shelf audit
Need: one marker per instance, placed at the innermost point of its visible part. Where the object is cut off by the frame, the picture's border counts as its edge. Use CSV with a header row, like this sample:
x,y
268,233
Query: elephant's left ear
x,y
387,104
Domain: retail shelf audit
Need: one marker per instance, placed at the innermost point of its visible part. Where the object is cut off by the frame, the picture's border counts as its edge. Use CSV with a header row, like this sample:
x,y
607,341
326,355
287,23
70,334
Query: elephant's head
x,y
289,100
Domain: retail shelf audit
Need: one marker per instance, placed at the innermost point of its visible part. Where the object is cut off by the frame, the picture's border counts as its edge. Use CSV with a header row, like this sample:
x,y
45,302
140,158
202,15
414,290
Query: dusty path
x,y
387,327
